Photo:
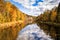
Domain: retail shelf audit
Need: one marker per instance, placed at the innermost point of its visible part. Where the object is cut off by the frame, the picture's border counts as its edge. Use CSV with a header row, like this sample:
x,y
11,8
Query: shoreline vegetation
x,y
13,20
49,21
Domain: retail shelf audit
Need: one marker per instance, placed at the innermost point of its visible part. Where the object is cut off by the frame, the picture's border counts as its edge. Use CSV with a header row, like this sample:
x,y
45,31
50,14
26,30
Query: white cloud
x,y
47,4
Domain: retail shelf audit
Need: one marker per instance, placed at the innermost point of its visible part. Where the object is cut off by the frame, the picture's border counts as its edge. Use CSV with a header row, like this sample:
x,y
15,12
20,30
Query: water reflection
x,y
33,32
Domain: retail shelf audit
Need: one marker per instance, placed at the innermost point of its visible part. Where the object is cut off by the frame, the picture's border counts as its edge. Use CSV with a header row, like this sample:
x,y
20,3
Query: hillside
x,y
49,21
12,21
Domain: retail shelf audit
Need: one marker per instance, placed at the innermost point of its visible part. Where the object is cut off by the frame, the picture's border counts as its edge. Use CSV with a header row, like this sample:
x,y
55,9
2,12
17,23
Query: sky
x,y
34,7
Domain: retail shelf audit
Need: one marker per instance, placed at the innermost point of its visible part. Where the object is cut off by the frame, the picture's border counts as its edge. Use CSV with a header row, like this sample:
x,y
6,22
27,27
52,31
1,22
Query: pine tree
x,y
58,13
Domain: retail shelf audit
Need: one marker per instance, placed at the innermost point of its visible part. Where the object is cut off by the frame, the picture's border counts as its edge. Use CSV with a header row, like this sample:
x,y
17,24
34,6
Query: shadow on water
x,y
32,32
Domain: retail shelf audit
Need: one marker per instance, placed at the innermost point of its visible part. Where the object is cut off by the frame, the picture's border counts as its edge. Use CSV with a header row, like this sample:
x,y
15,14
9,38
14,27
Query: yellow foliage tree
x,y
11,16
53,15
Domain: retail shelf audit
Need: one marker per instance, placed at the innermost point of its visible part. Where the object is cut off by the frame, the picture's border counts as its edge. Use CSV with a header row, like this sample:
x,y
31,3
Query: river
x,y
33,32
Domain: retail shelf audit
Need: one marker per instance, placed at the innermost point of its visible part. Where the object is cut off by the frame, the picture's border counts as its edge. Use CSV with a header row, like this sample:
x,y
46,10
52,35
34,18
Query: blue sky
x,y
33,13
37,7
22,8
19,6
36,3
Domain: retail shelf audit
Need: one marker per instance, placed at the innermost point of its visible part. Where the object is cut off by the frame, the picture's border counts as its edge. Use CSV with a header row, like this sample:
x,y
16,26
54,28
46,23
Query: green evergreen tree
x,y
58,13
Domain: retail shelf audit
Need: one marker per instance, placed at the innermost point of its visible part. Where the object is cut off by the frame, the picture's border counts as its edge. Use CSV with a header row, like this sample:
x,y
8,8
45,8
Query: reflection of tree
x,y
11,21
50,21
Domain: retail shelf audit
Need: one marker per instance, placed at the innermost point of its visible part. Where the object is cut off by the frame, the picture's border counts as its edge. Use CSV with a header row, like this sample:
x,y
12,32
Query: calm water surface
x,y
32,32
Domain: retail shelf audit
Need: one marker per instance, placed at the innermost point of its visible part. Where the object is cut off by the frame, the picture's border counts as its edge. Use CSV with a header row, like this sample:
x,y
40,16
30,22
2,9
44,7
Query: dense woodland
x,y
10,18
12,21
49,21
